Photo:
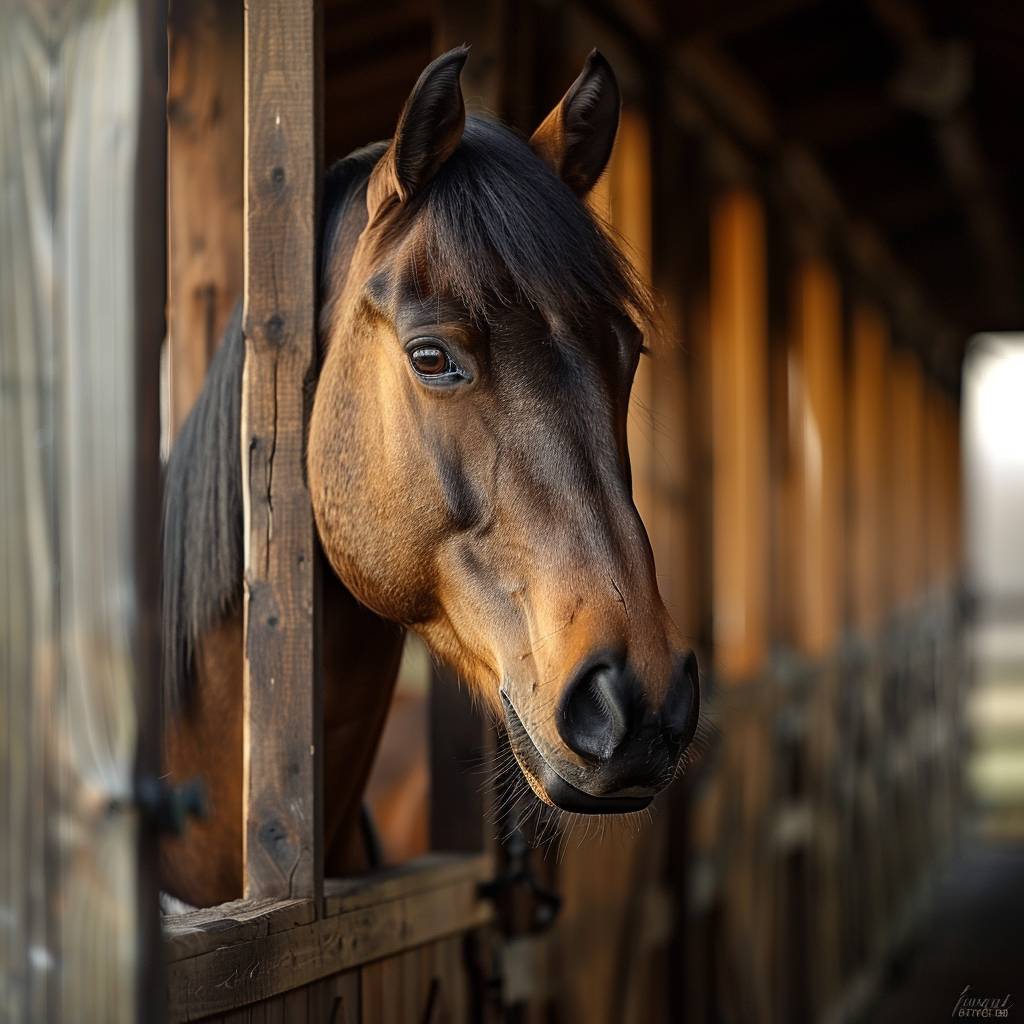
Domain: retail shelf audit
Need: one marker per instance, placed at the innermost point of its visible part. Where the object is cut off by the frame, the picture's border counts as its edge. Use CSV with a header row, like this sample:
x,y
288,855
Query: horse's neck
x,y
361,653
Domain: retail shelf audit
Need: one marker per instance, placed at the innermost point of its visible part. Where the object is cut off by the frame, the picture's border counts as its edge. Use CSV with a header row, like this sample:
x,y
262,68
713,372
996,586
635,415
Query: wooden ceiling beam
x,y
717,18
836,120
935,82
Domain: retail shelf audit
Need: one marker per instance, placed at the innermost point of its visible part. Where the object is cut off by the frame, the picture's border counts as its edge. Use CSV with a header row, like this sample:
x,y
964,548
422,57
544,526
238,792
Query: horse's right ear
x,y
576,138
429,129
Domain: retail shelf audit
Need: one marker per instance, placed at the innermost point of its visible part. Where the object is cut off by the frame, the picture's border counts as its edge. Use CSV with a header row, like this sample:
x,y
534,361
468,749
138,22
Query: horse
x,y
469,475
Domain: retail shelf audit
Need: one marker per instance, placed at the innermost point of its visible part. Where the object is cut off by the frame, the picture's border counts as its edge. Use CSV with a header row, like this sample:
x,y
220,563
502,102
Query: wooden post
x,y
739,433
906,479
818,521
740,528
868,441
870,532
940,455
82,247
282,839
817,321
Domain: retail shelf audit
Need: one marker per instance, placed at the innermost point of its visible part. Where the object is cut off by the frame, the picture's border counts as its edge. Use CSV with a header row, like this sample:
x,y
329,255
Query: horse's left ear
x,y
429,129
576,138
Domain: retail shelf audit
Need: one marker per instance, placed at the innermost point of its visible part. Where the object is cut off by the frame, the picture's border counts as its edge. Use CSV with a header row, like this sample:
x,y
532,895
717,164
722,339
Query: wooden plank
x,y
341,998
81,316
282,838
817,351
936,488
204,190
433,871
954,495
739,387
224,979
868,438
906,468
200,931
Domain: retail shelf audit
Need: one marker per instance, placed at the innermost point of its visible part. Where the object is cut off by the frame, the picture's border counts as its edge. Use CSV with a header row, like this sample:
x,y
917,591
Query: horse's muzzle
x,y
623,750
551,787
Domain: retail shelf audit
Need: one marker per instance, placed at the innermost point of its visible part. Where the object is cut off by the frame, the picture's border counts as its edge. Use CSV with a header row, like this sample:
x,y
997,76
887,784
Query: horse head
x,y
467,453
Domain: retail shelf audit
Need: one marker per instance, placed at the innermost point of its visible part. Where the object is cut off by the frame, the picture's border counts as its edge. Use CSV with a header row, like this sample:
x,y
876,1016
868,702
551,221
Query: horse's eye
x,y
431,361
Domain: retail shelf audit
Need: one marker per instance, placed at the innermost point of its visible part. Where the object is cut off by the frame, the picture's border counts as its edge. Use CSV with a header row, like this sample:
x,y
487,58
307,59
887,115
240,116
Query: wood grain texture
x,y
374,926
282,838
81,322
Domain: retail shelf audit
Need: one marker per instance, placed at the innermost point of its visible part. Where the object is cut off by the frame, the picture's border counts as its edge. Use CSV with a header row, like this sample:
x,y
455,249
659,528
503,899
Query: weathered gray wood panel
x,y
81,323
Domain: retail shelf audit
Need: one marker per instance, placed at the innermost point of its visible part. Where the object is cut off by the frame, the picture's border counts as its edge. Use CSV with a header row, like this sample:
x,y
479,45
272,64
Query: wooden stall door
x,y
81,322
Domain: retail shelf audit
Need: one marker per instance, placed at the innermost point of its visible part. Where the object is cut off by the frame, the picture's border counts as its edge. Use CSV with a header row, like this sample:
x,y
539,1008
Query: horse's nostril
x,y
682,706
593,719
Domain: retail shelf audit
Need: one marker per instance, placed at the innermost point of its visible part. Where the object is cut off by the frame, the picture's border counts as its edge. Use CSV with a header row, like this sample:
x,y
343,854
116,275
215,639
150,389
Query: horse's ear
x,y
576,138
429,129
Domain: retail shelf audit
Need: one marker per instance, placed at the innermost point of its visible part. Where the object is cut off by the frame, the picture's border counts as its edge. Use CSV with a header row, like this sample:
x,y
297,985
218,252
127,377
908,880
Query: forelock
x,y
496,227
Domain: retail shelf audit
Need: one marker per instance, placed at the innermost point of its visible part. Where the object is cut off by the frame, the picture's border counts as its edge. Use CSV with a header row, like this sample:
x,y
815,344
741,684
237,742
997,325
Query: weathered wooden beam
x,y
82,247
247,958
282,748
934,82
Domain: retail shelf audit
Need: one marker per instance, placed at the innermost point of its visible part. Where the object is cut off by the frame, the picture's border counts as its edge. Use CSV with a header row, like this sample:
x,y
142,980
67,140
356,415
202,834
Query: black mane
x,y
494,226
497,226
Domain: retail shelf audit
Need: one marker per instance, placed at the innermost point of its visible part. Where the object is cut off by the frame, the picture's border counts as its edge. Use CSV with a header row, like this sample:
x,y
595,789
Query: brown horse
x,y
469,476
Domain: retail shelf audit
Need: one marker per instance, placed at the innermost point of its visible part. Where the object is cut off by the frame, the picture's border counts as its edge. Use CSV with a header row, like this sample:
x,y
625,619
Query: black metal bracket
x,y
517,872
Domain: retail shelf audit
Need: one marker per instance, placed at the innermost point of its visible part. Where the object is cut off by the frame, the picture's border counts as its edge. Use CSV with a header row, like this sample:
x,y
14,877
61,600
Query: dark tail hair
x,y
202,526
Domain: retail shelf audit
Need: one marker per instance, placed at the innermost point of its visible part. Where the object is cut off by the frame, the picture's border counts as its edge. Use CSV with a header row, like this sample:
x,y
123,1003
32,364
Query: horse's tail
x,y
202,517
